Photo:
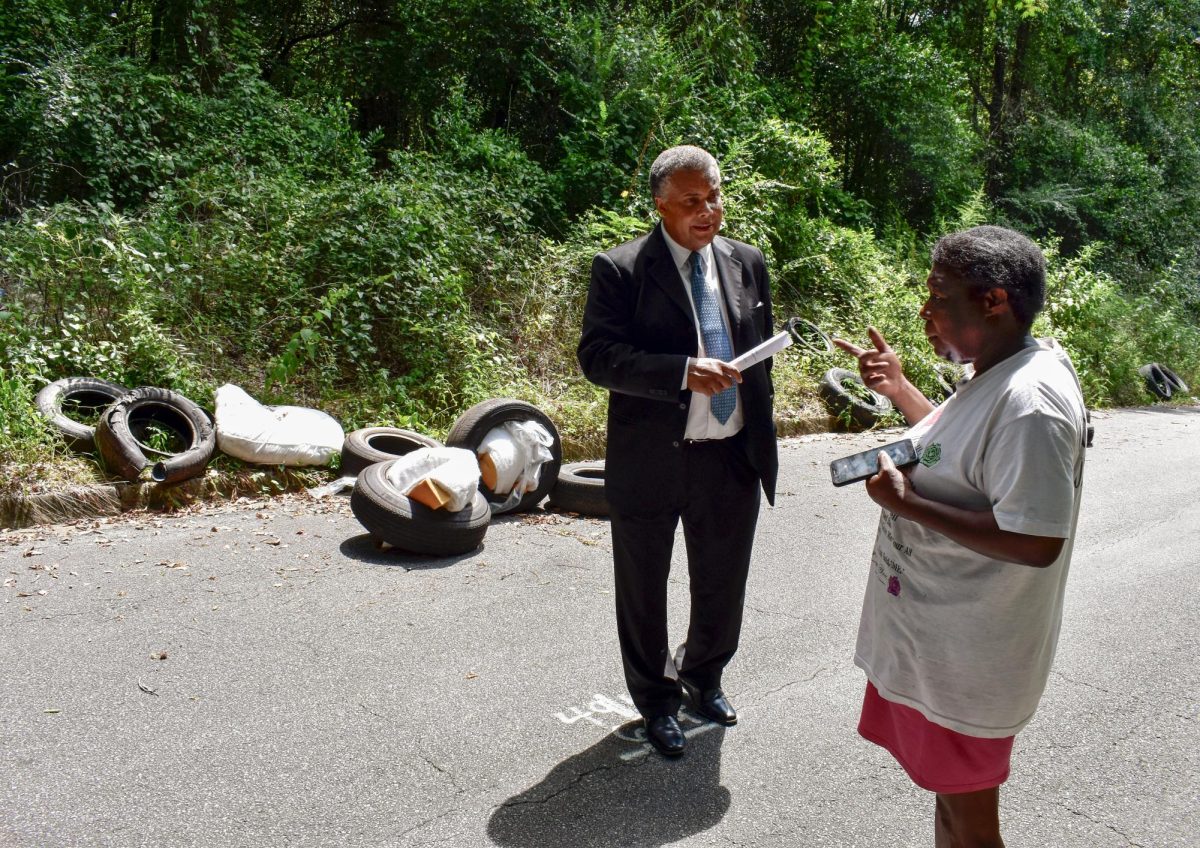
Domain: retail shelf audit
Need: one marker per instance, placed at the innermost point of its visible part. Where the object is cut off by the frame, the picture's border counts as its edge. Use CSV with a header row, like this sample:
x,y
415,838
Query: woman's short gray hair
x,y
684,157
997,257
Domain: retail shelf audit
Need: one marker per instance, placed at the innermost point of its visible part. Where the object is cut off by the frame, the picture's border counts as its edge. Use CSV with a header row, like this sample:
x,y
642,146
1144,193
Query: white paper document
x,y
767,349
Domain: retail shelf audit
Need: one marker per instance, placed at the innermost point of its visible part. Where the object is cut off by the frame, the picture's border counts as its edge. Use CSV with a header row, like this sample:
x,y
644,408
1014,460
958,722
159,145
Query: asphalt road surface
x,y
257,674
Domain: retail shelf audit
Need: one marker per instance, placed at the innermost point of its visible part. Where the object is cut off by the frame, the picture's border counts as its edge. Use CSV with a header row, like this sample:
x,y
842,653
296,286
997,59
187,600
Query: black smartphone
x,y
860,466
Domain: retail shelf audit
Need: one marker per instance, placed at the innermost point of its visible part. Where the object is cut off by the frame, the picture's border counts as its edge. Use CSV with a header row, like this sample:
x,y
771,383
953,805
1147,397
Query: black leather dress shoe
x,y
665,735
712,704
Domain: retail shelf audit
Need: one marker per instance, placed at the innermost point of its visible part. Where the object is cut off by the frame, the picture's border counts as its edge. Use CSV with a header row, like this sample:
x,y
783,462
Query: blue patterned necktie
x,y
716,339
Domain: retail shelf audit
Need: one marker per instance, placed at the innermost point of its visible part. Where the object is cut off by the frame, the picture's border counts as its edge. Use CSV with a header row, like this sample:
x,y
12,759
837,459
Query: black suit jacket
x,y
639,330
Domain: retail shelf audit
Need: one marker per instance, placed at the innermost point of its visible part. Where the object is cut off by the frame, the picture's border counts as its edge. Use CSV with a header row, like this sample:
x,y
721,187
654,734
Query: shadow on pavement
x,y
1165,410
362,548
548,515
619,793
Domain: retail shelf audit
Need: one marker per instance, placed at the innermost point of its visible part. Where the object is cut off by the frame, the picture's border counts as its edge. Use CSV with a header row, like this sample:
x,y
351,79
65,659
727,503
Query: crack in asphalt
x,y
1083,683
1128,695
64,615
449,774
372,712
805,619
427,822
579,778
790,683
1128,840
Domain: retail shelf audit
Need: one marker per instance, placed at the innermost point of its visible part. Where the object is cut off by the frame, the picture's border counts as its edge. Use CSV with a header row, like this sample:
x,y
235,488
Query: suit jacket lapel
x,y
729,270
662,270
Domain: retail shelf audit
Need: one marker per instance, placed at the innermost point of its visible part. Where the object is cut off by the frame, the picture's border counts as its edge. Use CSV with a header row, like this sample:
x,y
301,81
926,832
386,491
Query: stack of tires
x,y
392,517
388,514
146,433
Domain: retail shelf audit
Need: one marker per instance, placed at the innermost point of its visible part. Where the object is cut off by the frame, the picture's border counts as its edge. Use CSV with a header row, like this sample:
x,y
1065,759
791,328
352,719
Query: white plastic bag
x,y
341,484
274,435
454,469
518,449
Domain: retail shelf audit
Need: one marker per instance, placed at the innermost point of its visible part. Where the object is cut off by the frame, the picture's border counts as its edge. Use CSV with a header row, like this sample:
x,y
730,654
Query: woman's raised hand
x,y
879,367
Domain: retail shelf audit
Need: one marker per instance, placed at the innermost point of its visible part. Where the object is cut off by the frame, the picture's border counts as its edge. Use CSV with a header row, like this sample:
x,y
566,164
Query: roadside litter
x,y
531,447
274,435
580,488
80,396
369,445
156,434
408,489
390,516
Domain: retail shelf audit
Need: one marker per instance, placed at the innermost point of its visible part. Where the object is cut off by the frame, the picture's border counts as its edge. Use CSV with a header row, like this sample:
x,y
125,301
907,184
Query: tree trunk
x,y
168,34
995,110
1005,109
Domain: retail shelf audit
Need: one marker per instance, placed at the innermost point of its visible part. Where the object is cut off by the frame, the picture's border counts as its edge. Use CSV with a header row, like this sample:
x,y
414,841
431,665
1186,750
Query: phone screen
x,y
860,466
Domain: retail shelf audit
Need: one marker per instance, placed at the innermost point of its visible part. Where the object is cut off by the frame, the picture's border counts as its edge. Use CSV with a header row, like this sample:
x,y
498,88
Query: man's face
x,y
954,316
690,206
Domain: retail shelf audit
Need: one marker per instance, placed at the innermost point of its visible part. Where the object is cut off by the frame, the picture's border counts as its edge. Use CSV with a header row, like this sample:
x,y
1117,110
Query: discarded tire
x,y
396,519
183,431
474,424
948,375
379,444
1157,381
809,336
74,395
1177,383
847,397
580,488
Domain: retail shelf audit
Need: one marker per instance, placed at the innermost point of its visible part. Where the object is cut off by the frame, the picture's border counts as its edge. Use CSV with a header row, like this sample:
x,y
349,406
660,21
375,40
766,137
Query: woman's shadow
x,y
619,793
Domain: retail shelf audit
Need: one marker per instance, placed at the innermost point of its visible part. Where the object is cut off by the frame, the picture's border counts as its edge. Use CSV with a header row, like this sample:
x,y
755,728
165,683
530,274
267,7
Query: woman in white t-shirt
x,y
964,599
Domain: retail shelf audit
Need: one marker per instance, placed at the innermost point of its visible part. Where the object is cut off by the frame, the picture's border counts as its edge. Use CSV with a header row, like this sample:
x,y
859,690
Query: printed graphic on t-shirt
x,y
931,455
888,565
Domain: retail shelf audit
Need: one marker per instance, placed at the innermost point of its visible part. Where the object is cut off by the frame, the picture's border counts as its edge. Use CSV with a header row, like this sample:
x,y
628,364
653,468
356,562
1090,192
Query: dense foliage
x,y
388,209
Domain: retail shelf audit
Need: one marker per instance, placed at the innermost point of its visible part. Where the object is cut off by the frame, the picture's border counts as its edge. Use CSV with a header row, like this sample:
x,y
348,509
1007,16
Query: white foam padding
x,y
274,435
454,469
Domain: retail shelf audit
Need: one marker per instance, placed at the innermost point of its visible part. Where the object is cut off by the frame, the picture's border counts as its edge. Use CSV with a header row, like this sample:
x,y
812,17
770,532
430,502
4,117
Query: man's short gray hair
x,y
684,157
996,257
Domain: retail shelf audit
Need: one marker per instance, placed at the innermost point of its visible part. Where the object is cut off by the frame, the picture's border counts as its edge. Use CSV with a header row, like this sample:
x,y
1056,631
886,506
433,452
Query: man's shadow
x,y
619,793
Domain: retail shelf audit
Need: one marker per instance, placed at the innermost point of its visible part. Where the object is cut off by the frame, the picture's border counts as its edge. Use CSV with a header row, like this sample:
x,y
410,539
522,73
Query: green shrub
x,y
96,125
25,436
1136,330
398,284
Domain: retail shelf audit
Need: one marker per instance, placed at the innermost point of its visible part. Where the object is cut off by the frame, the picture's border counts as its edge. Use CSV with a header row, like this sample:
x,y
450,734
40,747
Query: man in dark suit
x,y
689,436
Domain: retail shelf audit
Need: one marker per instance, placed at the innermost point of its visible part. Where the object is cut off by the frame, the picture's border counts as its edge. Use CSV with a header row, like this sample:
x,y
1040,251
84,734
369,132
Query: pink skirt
x,y
936,758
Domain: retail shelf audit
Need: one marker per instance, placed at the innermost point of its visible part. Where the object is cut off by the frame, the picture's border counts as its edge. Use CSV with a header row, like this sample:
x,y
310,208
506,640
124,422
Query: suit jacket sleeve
x,y
609,351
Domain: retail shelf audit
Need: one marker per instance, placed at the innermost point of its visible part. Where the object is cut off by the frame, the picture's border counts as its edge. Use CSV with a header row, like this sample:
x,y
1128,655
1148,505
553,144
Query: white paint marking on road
x,y
628,726
601,705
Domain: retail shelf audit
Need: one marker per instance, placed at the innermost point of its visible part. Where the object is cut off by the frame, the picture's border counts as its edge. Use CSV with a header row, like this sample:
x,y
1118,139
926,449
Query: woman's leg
x,y
968,820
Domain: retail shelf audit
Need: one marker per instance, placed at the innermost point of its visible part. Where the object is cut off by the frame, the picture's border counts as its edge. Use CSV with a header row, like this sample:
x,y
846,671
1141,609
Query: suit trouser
x,y
718,501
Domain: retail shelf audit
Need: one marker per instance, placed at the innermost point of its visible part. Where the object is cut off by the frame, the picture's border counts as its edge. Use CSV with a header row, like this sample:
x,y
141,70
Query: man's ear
x,y
995,302
658,204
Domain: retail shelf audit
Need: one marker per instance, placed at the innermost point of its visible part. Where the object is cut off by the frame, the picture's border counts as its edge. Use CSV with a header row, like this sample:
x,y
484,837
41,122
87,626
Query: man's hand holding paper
x,y
711,376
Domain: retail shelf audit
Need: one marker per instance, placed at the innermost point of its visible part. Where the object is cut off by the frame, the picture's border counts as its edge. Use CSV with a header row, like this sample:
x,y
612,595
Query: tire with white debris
x,y
473,426
393,517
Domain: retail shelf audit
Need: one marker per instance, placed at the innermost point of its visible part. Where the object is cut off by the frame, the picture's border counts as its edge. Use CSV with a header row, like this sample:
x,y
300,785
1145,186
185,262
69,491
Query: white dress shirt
x,y
701,423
